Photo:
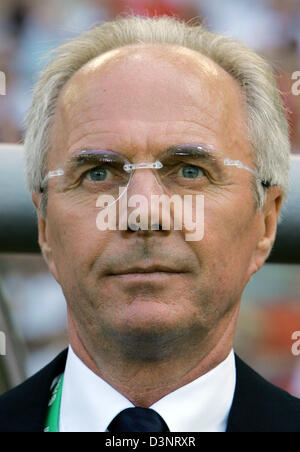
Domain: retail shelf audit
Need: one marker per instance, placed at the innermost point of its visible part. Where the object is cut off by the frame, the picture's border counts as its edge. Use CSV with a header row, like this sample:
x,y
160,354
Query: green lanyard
x,y
52,419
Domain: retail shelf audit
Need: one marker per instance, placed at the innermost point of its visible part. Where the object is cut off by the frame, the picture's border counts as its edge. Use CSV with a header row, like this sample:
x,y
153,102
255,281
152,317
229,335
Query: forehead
x,y
154,87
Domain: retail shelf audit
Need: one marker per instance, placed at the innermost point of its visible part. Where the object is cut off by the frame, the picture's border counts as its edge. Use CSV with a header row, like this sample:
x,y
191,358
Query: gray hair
x,y
267,124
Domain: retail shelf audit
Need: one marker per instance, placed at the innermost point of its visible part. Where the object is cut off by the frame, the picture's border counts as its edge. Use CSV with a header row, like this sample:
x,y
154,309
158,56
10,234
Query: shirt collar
x,y
89,403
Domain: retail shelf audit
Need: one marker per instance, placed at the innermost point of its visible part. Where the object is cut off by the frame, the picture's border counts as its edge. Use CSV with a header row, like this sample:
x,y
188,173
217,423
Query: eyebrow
x,y
82,158
198,152
201,152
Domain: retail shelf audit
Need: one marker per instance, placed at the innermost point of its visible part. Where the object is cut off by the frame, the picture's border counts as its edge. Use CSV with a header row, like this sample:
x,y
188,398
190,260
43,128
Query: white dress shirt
x,y
89,403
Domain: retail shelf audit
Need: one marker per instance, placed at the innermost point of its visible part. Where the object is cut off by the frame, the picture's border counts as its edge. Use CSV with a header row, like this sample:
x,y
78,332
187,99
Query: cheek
x,y
74,238
229,238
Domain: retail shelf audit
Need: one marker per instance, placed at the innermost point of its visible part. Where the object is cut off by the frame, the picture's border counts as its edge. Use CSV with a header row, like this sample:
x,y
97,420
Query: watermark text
x,y
2,84
166,212
2,344
296,344
296,85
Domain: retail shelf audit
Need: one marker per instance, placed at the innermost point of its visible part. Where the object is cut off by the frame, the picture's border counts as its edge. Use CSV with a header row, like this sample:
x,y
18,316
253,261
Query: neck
x,y
144,383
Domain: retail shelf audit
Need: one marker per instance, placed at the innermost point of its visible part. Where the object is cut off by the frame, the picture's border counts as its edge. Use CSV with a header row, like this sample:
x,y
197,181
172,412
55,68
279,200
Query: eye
x,y
98,174
191,172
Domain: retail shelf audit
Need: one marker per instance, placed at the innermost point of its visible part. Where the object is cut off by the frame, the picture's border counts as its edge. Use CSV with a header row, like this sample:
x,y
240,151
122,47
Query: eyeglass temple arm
x,y
50,175
239,164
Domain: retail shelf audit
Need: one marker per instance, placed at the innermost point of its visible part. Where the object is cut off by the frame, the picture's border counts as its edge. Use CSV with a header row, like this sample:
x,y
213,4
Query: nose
x,y
145,182
145,216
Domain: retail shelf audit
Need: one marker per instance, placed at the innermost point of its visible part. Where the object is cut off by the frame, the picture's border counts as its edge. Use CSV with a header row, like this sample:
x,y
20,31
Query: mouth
x,y
147,271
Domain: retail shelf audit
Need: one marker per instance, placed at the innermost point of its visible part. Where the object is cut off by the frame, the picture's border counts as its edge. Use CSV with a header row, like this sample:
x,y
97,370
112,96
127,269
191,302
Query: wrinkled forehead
x,y
151,83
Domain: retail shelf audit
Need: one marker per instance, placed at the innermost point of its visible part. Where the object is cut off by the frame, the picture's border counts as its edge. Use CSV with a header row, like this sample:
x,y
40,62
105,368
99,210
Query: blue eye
x,y
98,174
191,172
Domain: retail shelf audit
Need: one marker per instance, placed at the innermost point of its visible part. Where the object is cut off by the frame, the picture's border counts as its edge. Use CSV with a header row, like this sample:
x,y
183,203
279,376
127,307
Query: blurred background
x,y
32,306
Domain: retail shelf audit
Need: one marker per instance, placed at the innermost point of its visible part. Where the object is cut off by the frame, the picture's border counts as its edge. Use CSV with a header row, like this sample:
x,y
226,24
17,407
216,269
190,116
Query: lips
x,y
146,270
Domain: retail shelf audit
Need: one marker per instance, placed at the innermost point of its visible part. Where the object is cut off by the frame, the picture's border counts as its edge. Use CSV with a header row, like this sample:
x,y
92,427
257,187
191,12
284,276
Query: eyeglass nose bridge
x,y
129,167
140,183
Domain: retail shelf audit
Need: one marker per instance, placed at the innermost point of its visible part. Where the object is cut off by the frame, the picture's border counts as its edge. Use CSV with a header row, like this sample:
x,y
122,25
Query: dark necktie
x,y
138,420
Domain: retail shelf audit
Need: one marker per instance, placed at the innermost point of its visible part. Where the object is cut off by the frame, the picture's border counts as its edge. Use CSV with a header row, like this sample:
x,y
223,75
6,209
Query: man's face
x,y
139,101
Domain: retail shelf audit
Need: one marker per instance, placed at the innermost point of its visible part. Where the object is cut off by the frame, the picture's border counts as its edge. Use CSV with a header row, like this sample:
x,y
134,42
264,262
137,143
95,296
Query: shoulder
x,y
259,406
23,409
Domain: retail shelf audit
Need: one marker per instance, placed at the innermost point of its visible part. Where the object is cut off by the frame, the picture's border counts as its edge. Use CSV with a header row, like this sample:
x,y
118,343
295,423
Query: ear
x,y
269,221
43,237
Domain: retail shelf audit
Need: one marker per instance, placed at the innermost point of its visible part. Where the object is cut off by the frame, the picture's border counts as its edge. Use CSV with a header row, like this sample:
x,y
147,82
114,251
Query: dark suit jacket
x,y
258,406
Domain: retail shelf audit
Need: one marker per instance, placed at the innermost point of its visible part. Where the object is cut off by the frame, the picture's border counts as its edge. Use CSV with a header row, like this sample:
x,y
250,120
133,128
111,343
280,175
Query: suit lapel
x,y
258,406
241,415
23,409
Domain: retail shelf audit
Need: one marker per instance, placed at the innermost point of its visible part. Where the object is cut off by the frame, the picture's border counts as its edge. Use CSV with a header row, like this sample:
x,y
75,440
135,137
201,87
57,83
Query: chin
x,y
148,346
151,339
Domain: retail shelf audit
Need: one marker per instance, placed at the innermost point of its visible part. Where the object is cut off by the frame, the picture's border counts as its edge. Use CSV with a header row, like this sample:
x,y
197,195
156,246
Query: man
x,y
151,313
